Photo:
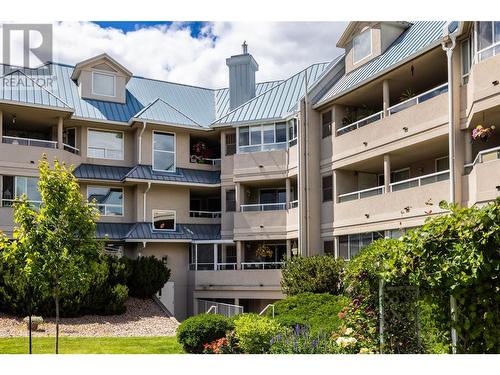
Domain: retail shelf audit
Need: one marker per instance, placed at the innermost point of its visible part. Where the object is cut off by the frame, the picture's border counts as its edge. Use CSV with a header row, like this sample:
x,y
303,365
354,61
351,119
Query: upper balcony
x,y
205,151
204,206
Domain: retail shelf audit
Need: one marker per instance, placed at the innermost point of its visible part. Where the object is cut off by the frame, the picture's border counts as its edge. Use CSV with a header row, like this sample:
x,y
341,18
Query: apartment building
x,y
224,184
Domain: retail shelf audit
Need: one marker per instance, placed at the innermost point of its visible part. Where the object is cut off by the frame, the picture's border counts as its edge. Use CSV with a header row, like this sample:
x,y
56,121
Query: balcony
x,y
205,214
482,177
420,181
262,207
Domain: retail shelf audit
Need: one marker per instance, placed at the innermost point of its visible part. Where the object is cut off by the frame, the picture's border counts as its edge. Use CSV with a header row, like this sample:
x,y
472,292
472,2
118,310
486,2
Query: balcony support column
x,y
468,147
387,173
385,97
288,249
287,192
239,253
60,144
215,257
238,196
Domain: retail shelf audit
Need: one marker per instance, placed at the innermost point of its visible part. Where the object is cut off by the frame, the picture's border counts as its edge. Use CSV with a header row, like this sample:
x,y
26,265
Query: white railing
x,y
488,52
104,153
202,266
294,204
270,306
429,94
71,149
225,309
493,153
261,265
227,266
194,159
365,193
263,207
29,142
10,202
292,142
360,123
205,214
419,181
262,147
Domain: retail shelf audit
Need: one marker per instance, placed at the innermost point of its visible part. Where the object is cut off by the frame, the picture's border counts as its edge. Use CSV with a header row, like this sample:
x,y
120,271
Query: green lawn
x,y
93,345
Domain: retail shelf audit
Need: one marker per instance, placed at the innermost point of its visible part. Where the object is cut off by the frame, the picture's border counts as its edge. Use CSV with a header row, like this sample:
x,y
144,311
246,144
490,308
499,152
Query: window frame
x,y
94,72
104,204
106,131
153,220
171,152
330,176
436,164
261,147
226,200
332,241
328,125
16,194
494,43
354,61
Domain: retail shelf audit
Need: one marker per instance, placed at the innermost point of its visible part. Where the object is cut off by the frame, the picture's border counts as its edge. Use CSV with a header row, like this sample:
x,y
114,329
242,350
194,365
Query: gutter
x,y
144,201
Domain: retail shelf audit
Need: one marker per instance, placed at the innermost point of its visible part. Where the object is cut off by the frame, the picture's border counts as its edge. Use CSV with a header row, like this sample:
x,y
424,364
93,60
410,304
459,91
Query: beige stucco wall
x,y
481,183
350,64
85,86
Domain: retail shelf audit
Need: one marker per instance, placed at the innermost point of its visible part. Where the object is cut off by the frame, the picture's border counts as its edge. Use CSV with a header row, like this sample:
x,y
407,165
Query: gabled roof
x,y
160,111
277,102
421,36
102,58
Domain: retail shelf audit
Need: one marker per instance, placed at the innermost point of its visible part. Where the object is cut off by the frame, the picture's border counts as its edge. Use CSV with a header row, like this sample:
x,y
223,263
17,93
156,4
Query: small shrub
x,y
198,330
299,340
317,274
319,312
254,332
148,276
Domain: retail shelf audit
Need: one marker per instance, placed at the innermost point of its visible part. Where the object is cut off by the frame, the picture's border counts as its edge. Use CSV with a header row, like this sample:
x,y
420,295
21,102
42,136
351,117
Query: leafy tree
x,y
54,249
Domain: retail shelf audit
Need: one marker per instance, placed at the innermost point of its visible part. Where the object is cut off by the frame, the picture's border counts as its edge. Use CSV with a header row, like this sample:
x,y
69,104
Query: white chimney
x,y
242,70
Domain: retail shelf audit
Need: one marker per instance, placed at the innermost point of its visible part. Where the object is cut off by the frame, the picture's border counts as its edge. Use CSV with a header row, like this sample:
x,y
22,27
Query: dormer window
x,y
362,46
103,84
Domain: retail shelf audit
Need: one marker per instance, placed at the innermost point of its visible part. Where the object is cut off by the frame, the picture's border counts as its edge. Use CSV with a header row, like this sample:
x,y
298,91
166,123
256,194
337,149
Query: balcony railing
x,y
418,99
262,147
234,266
71,149
294,204
360,123
195,160
420,181
488,52
361,194
29,142
10,202
261,265
482,156
227,266
263,207
205,214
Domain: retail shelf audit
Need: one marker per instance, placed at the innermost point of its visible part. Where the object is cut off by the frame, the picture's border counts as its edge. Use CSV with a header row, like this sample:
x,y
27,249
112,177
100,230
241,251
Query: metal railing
x,y
227,266
261,265
10,202
488,52
262,147
420,181
360,123
441,89
29,142
292,142
71,149
226,309
209,161
263,207
365,193
270,306
202,266
205,214
484,155
293,204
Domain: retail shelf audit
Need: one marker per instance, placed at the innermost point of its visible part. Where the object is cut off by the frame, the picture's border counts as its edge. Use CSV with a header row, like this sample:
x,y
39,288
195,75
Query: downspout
x,y
139,158
144,202
306,175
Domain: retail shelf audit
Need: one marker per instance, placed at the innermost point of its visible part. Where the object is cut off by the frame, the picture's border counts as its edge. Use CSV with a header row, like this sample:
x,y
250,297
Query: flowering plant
x,y
264,251
482,132
225,345
299,340
200,152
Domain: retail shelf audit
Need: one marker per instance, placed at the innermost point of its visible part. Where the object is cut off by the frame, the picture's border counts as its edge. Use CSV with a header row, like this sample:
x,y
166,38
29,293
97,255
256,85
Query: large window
x,y
103,84
230,200
16,186
262,137
109,200
328,248
350,245
326,124
164,220
105,144
327,188
362,46
163,152
488,39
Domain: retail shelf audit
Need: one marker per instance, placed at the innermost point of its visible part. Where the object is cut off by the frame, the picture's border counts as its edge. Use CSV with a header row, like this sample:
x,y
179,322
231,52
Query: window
x,y
164,220
103,84
276,198
262,137
466,60
352,244
163,152
230,144
400,175
362,46
442,164
15,186
328,248
328,188
488,39
109,200
230,200
292,132
104,144
326,124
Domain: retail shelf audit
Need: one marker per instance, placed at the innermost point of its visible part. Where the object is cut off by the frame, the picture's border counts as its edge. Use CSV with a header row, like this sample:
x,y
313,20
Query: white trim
x,y
110,205
371,46
106,131
104,73
162,182
419,179
153,220
170,152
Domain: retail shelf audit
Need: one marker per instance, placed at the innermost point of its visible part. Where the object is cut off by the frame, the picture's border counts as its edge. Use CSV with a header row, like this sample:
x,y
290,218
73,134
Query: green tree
x,y
54,249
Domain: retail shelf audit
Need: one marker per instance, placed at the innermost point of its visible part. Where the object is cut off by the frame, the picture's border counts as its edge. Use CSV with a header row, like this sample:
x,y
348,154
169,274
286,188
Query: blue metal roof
x,y
101,172
417,37
188,232
113,231
185,175
277,102
162,112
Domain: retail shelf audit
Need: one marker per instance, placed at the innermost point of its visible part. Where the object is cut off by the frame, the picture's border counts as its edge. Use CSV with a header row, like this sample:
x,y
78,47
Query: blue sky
x,y
127,26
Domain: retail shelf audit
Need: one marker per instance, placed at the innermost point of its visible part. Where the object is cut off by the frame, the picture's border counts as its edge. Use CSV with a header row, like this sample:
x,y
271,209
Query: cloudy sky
x,y
195,52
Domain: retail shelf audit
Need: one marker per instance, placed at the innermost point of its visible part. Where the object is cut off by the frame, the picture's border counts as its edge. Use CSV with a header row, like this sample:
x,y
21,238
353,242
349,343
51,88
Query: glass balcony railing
x,y
420,181
418,99
29,142
483,156
488,52
205,214
263,207
360,123
378,190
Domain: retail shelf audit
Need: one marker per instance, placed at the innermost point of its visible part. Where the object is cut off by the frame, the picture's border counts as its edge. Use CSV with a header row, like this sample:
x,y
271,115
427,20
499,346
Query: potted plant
x,y
264,251
482,132
200,152
35,321
406,95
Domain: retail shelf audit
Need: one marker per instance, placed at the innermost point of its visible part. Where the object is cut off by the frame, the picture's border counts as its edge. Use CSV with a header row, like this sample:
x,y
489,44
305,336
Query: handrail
x,y
260,265
30,141
294,203
262,207
356,124
479,156
360,192
418,97
267,307
214,307
4,201
72,149
418,179
221,266
205,214
262,147
210,161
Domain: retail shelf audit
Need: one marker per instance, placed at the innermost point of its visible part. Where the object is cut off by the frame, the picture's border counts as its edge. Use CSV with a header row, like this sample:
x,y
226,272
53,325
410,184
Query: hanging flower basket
x,y
482,132
264,251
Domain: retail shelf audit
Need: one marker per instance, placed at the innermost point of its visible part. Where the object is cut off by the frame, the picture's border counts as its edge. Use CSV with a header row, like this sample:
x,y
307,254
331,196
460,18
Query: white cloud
x,y
172,53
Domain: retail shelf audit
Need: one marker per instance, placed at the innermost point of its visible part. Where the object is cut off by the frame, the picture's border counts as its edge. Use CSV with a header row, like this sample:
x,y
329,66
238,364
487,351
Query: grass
x,y
92,345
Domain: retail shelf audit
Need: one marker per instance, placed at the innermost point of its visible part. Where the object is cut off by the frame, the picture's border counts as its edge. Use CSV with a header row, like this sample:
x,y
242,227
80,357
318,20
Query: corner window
x,y
266,137
328,188
109,200
103,84
164,220
104,144
292,132
488,39
326,124
362,46
230,200
163,152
